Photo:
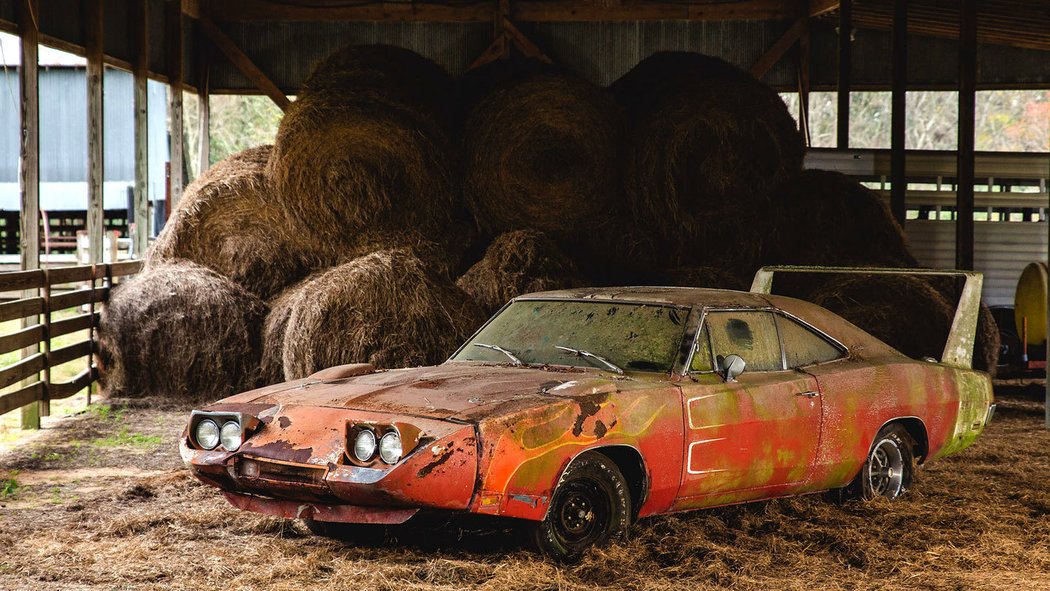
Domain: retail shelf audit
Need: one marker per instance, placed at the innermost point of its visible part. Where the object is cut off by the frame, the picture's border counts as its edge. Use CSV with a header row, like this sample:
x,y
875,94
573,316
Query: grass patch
x,y
126,439
8,488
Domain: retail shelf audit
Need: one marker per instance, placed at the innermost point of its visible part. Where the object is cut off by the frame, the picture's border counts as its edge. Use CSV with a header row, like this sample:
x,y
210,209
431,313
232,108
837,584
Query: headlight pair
x,y
365,445
209,435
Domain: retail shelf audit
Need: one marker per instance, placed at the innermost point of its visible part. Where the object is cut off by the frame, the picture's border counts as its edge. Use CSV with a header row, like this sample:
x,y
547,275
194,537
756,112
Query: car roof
x,y
674,296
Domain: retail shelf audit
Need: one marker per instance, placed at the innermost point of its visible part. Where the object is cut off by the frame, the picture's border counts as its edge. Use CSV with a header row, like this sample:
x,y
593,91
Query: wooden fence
x,y
43,293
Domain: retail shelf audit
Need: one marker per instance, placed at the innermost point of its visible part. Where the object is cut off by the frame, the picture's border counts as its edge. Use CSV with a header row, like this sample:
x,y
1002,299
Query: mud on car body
x,y
580,411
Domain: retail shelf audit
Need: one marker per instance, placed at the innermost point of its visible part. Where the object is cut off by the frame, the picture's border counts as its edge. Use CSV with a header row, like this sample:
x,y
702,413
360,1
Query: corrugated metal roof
x,y
602,52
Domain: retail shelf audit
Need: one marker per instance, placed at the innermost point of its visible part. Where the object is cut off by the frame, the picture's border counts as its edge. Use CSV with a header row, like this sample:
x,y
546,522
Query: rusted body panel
x,y
495,438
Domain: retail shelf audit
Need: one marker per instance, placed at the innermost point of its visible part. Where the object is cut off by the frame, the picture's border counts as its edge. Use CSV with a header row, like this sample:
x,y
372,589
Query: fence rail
x,y
40,295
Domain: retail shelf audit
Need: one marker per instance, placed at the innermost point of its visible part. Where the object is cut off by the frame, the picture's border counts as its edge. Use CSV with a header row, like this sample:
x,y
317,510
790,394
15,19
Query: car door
x,y
752,437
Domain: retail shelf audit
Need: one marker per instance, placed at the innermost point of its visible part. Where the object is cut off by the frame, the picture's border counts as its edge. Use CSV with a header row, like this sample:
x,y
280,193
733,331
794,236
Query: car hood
x,y
456,390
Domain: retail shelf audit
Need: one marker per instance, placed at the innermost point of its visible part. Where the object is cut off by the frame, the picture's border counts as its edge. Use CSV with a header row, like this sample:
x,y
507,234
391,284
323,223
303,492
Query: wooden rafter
x,y
780,48
482,11
243,63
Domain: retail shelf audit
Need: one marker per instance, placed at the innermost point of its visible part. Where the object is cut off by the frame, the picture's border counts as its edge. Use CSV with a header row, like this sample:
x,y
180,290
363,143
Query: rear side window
x,y
804,347
749,334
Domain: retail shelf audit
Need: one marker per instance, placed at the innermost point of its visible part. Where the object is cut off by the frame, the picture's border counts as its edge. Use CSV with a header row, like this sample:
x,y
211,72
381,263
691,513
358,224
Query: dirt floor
x,y
101,501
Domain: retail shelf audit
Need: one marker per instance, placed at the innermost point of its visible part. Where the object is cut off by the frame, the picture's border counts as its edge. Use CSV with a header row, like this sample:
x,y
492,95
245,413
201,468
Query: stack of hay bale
x,y
398,207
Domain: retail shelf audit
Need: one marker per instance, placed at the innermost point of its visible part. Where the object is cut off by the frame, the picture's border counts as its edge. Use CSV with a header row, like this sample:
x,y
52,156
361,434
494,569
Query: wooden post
x,y
96,154
29,164
898,121
203,104
173,33
803,85
138,20
845,72
964,198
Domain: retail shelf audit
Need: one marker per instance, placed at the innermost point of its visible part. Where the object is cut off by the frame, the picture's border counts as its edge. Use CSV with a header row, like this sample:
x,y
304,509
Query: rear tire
x,y
889,468
591,506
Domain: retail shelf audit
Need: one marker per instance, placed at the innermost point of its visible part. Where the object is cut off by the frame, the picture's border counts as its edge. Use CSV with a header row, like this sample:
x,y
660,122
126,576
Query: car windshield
x,y
635,337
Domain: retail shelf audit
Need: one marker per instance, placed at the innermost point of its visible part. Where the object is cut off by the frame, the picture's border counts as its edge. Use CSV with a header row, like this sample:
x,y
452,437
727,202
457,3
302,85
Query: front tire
x,y
889,468
591,506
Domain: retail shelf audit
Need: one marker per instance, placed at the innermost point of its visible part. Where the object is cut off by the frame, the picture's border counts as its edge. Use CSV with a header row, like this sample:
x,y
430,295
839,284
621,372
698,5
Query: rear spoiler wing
x,y
958,350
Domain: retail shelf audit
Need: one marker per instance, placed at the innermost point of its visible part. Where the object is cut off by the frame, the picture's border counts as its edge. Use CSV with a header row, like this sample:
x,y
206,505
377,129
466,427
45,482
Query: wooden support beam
x,y
243,63
173,35
498,49
845,72
138,19
96,154
523,43
479,12
964,198
898,121
822,7
203,104
780,48
29,163
803,86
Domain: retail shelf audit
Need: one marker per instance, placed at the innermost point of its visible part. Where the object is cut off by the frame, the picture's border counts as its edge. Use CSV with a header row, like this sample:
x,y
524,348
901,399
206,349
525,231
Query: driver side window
x,y
749,334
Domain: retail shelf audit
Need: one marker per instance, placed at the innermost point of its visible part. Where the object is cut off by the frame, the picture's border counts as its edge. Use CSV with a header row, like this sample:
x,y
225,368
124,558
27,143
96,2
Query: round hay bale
x,y
711,277
180,331
389,76
367,146
544,154
271,365
384,308
825,218
342,169
228,220
474,85
704,155
666,71
903,311
515,263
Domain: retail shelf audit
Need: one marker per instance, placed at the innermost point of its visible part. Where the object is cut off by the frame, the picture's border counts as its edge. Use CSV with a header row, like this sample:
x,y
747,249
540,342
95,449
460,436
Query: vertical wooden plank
x,y
45,404
95,68
29,164
139,30
964,198
845,72
898,129
803,84
203,104
173,34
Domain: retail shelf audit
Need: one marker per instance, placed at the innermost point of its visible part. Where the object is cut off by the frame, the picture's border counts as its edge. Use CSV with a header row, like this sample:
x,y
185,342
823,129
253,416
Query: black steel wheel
x,y
591,506
888,470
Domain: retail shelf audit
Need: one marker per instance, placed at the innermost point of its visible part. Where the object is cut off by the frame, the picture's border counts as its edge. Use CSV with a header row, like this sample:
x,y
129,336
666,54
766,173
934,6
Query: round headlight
x,y
364,445
207,434
390,447
230,435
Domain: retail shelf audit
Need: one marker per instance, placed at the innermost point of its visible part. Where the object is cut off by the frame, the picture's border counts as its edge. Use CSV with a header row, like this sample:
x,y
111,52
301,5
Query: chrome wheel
x,y
886,469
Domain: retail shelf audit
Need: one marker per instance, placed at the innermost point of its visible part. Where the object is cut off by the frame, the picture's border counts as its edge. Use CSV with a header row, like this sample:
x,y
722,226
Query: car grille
x,y
260,470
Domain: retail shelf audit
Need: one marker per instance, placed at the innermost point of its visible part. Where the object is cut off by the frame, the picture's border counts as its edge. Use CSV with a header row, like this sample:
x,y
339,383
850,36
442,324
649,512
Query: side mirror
x,y
733,366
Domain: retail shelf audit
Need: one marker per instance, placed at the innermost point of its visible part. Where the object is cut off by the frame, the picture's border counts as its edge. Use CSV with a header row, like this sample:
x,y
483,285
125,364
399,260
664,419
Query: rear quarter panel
x,y
860,397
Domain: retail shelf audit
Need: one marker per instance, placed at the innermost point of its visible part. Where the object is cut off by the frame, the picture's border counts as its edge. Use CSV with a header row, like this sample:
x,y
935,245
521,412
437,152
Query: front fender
x,y
524,455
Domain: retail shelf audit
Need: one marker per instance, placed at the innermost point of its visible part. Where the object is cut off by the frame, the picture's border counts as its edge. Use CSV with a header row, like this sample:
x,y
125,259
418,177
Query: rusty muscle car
x,y
577,412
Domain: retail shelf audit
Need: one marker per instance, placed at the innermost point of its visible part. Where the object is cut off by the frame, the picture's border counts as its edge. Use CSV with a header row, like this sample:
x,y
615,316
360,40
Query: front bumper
x,y
300,471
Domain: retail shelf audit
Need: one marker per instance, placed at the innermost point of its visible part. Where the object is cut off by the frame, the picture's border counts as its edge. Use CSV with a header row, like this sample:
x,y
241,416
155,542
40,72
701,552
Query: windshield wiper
x,y
514,358
588,354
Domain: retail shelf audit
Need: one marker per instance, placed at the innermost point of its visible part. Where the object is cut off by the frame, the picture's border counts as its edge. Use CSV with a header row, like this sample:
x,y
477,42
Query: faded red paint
x,y
495,439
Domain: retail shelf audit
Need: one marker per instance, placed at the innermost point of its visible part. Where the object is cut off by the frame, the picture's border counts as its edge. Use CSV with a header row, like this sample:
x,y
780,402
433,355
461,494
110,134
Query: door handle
x,y
808,394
